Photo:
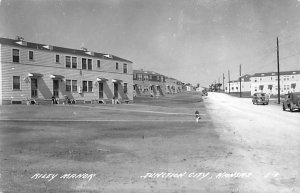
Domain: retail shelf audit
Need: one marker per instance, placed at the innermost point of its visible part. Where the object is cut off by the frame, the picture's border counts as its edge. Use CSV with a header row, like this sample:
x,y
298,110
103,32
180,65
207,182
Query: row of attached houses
x,y
267,83
39,71
149,83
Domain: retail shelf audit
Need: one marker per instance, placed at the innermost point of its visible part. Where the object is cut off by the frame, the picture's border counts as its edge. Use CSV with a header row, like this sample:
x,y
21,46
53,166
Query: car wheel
x,y
267,103
291,109
283,107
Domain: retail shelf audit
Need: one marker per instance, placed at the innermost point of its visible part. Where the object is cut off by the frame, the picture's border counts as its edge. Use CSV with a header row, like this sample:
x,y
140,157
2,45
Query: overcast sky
x,y
192,40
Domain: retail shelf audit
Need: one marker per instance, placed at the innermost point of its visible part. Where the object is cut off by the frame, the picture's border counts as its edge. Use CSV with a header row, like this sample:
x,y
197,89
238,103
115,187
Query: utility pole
x,y
223,83
278,72
229,80
219,84
240,80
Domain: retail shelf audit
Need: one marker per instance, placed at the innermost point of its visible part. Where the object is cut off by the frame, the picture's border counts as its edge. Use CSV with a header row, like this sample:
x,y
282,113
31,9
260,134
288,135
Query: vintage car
x,y
291,101
260,98
204,93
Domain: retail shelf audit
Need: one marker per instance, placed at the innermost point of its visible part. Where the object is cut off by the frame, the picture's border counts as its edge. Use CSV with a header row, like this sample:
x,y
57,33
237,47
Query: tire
x,y
291,108
283,107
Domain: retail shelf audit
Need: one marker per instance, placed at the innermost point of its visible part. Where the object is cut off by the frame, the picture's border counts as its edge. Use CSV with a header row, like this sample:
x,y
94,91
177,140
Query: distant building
x,y
188,87
39,71
268,83
148,83
234,86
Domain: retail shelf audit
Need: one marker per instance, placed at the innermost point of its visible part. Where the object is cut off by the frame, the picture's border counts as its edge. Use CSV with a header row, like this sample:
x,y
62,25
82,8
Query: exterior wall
x,y
44,63
269,84
171,86
235,87
148,86
1,75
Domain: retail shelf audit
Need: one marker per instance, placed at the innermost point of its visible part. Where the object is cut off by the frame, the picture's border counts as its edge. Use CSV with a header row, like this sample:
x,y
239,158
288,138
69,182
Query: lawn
x,y
116,143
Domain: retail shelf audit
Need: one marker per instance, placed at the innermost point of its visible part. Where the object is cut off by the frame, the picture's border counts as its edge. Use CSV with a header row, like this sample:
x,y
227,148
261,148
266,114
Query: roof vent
x,y
84,49
273,73
19,38
48,47
262,74
294,72
107,56
90,53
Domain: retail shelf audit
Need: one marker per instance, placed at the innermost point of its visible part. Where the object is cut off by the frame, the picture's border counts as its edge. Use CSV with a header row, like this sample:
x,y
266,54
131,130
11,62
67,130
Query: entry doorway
x,y
56,88
34,88
116,90
100,90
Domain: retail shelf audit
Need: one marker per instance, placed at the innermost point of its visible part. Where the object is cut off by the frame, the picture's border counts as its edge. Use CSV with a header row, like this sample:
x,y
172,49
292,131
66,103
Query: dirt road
x,y
265,142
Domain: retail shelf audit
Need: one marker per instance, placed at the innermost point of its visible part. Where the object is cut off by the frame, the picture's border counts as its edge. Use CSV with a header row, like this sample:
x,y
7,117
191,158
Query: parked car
x,y
291,101
260,98
204,93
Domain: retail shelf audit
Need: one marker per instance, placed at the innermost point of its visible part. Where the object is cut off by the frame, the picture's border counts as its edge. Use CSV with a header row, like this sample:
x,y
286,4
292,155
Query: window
x,y
84,86
117,66
83,63
74,85
16,55
98,63
150,77
90,64
140,77
68,85
68,62
57,58
125,68
74,62
134,76
16,83
90,86
125,88
30,55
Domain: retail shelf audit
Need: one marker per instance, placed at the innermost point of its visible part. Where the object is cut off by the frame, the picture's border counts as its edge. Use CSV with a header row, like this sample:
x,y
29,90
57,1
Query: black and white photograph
x,y
149,96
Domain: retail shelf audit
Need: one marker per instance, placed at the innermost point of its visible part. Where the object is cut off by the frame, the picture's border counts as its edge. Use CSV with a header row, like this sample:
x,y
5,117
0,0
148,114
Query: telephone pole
x,y
278,72
240,80
223,83
229,80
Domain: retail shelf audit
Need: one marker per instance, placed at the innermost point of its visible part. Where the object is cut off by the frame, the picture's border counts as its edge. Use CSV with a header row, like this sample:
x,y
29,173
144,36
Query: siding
x,y
44,63
1,76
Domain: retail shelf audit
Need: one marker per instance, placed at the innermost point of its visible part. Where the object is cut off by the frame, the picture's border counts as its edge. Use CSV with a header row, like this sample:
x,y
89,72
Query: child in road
x,y
197,116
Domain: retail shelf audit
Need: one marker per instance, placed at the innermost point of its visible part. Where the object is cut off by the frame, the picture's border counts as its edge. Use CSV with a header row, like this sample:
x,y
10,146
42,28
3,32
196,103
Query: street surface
x,y
265,140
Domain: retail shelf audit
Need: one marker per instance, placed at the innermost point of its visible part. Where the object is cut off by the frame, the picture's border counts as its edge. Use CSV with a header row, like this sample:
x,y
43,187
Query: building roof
x,y
275,73
18,43
141,71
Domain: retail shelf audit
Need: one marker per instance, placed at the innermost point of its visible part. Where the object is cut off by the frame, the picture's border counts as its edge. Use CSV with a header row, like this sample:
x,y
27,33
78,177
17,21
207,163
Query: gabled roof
x,y
275,73
36,46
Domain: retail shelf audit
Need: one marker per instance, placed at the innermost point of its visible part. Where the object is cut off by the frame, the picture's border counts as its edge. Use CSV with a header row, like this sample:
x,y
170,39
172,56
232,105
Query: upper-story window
x,y
30,55
68,61
57,58
74,62
90,66
150,77
140,77
16,55
83,63
145,77
124,68
134,76
98,64
117,66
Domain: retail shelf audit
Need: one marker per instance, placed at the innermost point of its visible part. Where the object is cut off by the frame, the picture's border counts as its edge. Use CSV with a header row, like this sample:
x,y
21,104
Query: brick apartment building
x,y
38,71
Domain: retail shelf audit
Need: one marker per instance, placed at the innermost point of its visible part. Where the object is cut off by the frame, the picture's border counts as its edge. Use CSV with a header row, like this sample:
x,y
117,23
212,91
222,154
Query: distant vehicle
x,y
204,93
260,98
291,101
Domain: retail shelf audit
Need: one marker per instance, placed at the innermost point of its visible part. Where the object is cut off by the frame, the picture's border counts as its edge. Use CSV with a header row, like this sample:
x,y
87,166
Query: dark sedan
x,y
260,98
291,101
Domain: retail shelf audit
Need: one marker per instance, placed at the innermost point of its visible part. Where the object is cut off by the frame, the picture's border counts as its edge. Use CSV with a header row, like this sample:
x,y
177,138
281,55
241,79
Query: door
x,y
100,90
34,87
116,90
56,88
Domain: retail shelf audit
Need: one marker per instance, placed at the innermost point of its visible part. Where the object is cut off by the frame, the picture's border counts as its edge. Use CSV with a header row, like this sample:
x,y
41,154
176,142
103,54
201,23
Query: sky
x,y
194,41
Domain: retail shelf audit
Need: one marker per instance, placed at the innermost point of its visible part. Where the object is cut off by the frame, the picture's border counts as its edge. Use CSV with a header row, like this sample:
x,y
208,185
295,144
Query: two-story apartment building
x,y
148,83
39,71
268,82
234,86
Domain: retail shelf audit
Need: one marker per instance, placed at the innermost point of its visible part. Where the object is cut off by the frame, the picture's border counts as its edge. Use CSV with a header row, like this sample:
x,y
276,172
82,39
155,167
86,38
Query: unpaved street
x,y
265,141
